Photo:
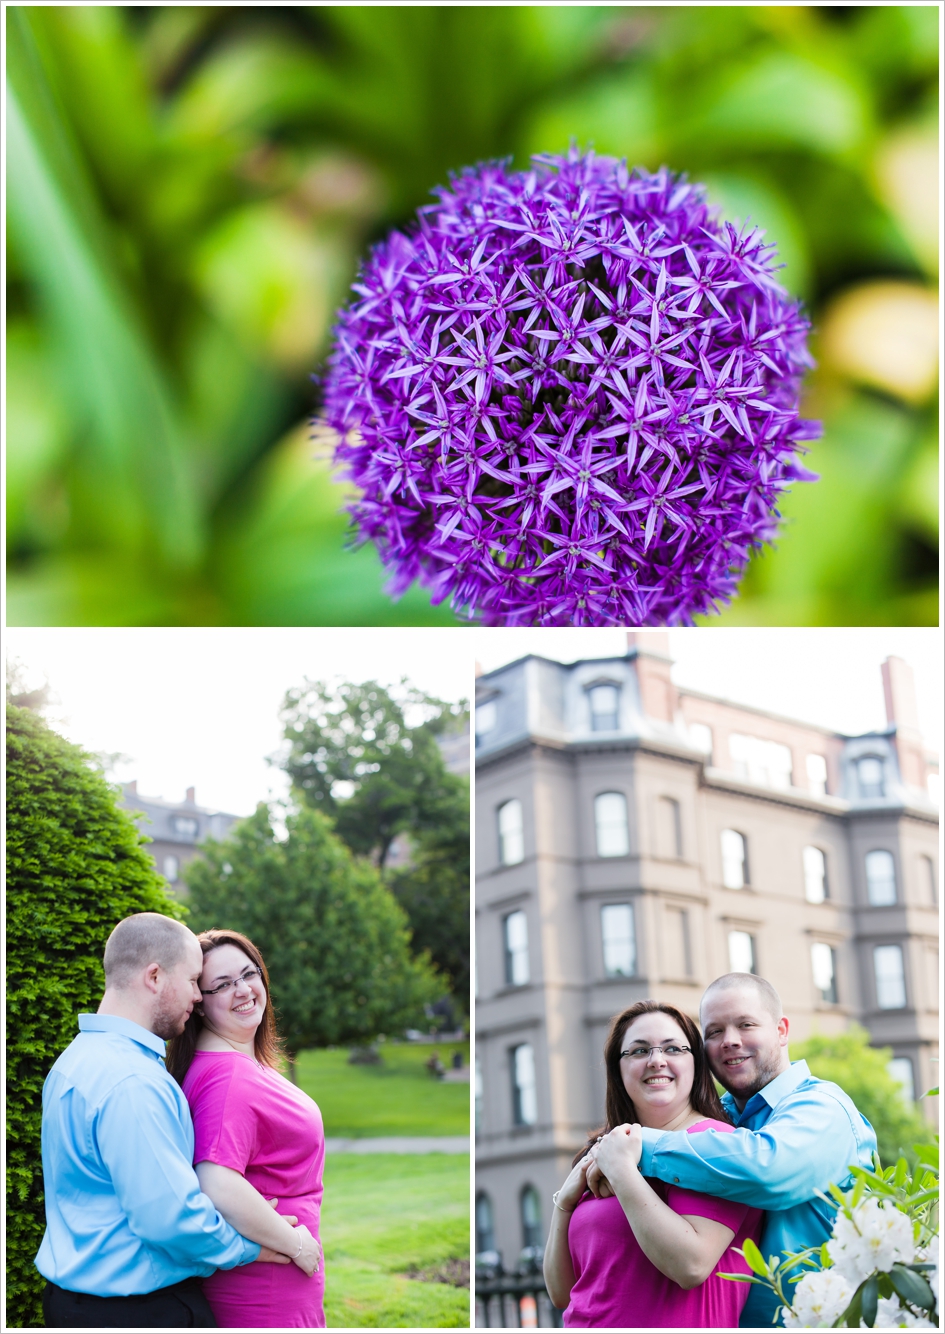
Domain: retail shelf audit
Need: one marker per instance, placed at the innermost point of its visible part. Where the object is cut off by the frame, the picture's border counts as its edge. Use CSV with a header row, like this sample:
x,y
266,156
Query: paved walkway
x,y
401,1144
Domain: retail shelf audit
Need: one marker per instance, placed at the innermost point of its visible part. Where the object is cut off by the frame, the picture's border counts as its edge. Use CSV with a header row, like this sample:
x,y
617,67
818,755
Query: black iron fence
x,y
513,1300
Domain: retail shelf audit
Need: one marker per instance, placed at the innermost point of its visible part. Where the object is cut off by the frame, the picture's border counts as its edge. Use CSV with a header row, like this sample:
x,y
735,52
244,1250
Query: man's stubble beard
x,y
168,1023
769,1070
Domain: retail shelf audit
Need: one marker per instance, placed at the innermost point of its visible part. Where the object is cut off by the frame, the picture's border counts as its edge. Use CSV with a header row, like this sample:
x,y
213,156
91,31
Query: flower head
x,y
819,1299
569,396
875,1238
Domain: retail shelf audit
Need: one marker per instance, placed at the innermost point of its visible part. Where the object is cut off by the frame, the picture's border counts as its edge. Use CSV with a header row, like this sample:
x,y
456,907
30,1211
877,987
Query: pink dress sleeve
x,y
225,1124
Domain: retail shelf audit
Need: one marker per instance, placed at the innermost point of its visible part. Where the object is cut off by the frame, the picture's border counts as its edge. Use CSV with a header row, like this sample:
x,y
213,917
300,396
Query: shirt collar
x,y
783,1084
115,1023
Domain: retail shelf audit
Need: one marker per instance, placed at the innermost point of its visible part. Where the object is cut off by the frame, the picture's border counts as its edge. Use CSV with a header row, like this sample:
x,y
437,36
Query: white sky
x,y
826,676
199,707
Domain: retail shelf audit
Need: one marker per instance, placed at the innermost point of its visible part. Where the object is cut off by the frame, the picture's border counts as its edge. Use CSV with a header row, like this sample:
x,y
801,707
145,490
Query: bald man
x,y
795,1134
128,1230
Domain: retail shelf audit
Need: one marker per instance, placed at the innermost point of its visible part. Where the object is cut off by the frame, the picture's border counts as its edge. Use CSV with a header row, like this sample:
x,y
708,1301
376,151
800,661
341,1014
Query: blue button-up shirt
x,y
795,1137
124,1210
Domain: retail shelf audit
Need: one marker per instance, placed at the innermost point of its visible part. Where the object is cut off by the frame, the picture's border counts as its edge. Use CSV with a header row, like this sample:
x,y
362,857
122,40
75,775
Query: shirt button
x,y
676,1179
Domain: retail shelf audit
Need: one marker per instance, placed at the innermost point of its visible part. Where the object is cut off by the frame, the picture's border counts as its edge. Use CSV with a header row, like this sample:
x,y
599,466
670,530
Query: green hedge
x,y
76,864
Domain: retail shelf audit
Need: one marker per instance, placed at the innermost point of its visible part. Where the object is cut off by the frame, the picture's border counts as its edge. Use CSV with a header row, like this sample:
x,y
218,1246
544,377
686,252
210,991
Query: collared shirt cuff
x,y
251,1251
651,1138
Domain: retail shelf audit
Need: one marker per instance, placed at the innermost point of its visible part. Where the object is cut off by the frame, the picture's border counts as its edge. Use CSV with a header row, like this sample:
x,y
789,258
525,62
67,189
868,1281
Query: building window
x,y
516,948
524,1100
700,736
610,821
880,878
670,827
531,1217
929,879
185,825
678,956
619,939
815,875
486,718
511,836
605,703
756,761
869,777
817,775
741,952
171,869
900,1067
734,860
823,965
485,1231
890,977
479,1095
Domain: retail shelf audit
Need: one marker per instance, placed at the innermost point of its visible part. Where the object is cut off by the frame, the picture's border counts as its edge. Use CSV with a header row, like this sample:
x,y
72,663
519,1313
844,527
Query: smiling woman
x,y
259,1140
641,1254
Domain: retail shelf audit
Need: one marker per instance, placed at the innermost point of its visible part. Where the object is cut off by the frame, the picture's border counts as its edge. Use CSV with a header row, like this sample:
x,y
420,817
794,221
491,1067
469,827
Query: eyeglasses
x,y
246,976
643,1053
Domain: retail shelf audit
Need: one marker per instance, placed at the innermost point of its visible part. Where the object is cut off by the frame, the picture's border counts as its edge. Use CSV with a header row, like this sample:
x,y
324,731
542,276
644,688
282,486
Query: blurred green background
x,y
189,189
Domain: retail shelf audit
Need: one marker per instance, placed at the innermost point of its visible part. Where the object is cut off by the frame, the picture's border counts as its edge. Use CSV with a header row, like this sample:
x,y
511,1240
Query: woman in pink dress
x,y
259,1143
647,1256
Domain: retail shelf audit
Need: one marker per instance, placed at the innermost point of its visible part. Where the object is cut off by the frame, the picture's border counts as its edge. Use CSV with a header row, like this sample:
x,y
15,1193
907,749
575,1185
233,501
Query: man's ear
x,y
783,1026
152,977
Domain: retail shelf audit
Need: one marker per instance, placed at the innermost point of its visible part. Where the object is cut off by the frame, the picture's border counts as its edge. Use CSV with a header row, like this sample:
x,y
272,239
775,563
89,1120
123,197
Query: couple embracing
x,y
662,1195
182,1171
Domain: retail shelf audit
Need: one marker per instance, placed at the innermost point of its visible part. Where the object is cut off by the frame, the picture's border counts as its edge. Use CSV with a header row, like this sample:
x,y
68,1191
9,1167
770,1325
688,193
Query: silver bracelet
x,y
299,1251
554,1200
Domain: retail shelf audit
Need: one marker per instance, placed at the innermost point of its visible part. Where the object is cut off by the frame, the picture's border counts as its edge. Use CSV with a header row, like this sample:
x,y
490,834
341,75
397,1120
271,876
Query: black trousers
x,y
181,1306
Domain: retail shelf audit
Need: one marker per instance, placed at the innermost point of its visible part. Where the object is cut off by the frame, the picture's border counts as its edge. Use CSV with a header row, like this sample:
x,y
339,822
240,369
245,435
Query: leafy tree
x,y
76,865
848,1060
434,891
354,755
334,938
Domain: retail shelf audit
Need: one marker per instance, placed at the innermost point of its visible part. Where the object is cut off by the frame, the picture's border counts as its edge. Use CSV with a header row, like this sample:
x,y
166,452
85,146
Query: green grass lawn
x,y
398,1097
384,1214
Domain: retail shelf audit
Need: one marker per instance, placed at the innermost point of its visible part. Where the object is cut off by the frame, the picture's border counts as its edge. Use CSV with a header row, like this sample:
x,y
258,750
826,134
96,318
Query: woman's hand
x,y
309,1257
569,1196
619,1151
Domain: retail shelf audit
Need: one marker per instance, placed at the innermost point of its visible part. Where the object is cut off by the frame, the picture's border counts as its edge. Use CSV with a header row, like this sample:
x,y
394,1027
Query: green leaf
x,y
869,1296
912,1287
754,1258
135,447
851,1316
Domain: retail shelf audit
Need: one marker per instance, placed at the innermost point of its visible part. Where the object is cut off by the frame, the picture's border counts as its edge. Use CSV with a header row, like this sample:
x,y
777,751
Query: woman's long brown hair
x,y
619,1106
267,1044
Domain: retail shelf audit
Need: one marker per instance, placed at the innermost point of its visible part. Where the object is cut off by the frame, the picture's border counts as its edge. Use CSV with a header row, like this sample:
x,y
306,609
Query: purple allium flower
x,y
569,396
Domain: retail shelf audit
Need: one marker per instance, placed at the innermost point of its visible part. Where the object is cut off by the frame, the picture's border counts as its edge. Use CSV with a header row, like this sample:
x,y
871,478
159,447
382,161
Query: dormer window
x,y
604,701
869,777
185,825
487,715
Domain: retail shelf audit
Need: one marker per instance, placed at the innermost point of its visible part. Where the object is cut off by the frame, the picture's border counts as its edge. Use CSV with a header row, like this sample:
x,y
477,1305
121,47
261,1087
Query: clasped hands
x,y
308,1258
613,1153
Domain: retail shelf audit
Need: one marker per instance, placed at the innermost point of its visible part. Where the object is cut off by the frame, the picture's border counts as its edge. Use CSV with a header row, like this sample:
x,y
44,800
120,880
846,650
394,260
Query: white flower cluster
x,y
890,1315
819,1299
875,1238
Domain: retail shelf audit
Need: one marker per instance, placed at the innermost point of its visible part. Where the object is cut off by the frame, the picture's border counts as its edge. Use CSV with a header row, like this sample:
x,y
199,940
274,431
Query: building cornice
x,y
711,779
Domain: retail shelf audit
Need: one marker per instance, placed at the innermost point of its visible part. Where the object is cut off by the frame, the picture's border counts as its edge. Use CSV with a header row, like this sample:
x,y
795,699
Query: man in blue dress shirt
x,y
128,1229
795,1133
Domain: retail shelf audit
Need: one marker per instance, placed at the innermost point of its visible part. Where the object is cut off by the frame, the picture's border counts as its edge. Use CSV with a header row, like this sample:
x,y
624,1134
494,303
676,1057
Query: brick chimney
x,y
902,713
191,797
649,652
132,787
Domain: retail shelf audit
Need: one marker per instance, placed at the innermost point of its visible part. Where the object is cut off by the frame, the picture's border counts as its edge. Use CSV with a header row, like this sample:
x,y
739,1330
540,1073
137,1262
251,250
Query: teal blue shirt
x,y
124,1209
793,1138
